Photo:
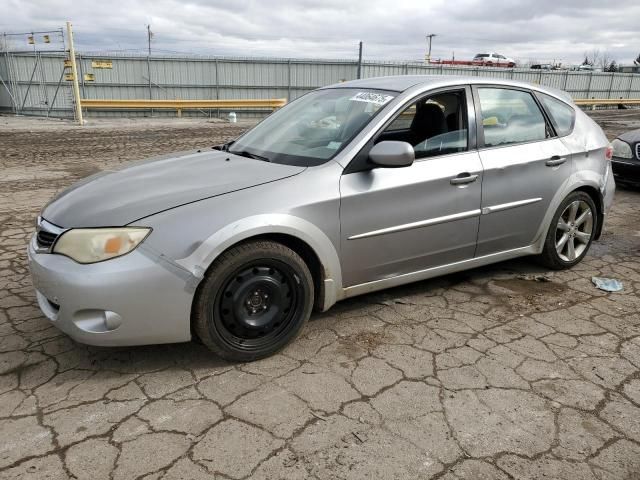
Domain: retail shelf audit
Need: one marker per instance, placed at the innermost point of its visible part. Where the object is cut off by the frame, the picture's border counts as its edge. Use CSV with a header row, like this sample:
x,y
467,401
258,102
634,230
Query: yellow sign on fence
x,y
102,63
67,64
89,77
68,77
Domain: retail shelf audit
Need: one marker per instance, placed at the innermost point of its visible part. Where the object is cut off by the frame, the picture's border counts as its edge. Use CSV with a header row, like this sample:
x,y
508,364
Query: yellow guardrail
x,y
607,101
180,105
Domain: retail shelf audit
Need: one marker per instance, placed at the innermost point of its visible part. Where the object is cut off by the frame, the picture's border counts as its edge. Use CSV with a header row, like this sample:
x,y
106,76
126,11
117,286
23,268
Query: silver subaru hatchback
x,y
349,189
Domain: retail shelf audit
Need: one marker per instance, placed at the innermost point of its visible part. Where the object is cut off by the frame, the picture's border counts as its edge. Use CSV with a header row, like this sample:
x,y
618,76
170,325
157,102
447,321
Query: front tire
x,y
254,300
571,232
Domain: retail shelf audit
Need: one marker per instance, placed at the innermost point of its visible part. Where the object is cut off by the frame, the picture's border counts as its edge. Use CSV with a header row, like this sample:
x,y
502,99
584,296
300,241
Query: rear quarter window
x,y
562,115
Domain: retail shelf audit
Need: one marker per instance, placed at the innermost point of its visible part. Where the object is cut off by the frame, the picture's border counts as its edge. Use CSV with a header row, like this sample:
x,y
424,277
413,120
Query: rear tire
x,y
571,232
254,300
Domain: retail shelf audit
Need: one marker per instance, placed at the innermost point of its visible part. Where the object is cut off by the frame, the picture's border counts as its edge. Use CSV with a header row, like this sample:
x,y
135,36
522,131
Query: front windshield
x,y
314,128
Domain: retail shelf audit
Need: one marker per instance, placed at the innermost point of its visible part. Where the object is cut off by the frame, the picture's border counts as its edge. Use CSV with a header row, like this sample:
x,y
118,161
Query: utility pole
x,y
74,71
149,35
429,38
360,61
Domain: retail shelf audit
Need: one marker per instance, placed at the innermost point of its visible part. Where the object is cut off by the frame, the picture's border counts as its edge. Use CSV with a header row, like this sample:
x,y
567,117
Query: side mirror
x,y
392,154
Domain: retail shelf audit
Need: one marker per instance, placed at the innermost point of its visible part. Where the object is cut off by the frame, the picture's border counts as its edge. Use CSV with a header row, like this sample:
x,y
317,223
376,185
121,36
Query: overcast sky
x,y
544,30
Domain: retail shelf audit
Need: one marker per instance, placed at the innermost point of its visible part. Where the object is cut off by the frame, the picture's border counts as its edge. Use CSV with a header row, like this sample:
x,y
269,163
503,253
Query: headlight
x,y
621,149
90,245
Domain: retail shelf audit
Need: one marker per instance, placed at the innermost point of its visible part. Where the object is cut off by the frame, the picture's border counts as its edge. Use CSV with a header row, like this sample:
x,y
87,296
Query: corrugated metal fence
x,y
35,83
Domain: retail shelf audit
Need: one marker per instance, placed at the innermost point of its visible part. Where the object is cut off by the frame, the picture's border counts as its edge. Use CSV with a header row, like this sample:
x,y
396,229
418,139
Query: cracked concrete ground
x,y
487,374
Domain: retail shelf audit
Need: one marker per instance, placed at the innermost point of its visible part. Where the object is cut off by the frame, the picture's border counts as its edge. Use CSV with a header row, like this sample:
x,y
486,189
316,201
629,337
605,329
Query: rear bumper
x,y
607,192
131,300
609,189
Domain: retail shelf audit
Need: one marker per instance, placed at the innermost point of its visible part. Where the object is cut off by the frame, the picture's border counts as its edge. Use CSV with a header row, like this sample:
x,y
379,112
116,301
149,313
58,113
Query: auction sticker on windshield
x,y
371,97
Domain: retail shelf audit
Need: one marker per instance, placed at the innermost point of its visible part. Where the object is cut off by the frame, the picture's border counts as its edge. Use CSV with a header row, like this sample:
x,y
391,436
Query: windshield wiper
x,y
244,153
224,147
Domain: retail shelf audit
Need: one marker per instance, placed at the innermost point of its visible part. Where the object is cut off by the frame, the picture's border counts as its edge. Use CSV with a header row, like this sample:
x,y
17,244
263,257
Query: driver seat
x,y
428,122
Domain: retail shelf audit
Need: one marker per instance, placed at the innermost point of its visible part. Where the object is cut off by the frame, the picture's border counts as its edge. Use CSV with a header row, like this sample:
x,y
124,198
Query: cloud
x,y
546,30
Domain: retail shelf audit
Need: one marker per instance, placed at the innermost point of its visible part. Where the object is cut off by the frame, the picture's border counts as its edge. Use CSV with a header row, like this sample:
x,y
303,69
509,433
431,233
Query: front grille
x,y
638,150
46,235
45,239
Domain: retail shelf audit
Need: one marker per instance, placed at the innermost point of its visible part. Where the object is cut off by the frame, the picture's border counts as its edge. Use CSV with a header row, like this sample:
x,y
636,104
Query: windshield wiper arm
x,y
224,147
244,153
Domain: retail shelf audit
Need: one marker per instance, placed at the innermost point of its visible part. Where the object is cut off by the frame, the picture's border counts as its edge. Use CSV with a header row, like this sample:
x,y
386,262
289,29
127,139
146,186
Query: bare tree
x,y
605,60
592,57
637,60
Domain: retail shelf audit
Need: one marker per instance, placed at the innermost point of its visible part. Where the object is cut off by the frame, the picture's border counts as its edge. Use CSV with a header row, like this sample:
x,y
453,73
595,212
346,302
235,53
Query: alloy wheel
x,y
574,230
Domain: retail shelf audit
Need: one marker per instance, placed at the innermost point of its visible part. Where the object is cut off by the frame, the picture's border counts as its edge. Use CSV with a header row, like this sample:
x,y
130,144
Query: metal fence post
x,y
610,85
84,93
217,87
289,80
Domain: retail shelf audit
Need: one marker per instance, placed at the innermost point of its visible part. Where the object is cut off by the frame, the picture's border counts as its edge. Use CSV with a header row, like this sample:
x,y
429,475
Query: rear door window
x,y
562,115
510,116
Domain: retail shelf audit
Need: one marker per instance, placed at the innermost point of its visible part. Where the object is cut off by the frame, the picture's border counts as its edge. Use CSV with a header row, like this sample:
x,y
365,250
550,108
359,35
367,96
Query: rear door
x,y
524,166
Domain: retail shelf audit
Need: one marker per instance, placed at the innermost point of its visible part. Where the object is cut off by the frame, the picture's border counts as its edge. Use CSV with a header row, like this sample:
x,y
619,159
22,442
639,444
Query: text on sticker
x,y
371,97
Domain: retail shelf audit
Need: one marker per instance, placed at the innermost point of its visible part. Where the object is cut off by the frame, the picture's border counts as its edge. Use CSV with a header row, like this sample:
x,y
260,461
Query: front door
x,y
524,166
401,220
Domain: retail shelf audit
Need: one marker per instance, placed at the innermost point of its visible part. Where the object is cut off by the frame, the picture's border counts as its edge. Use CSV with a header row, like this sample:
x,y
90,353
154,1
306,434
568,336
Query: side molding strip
x,y
420,224
507,206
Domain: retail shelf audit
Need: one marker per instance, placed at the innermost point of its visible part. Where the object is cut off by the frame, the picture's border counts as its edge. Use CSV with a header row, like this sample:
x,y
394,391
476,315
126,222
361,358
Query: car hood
x,y
116,198
630,136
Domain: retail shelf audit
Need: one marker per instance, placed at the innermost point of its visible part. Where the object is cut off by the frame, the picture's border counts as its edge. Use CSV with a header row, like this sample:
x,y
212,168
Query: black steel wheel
x,y
253,301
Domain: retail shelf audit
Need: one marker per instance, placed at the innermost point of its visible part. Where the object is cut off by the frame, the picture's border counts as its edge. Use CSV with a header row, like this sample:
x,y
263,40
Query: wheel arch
x,y
306,252
301,236
574,183
598,199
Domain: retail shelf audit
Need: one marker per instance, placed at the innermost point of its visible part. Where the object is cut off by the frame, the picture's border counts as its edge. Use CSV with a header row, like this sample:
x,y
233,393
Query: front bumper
x,y
626,170
135,299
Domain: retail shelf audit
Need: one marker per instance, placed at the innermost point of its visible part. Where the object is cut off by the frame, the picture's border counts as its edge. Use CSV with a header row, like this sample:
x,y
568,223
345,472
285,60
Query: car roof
x,y
400,83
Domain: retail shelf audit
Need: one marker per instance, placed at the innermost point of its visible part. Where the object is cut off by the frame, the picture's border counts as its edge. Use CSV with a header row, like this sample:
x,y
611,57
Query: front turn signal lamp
x,y
91,245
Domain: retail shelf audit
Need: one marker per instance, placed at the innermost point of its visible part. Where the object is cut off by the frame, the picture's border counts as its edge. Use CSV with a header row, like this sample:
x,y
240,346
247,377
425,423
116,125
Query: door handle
x,y
555,161
463,178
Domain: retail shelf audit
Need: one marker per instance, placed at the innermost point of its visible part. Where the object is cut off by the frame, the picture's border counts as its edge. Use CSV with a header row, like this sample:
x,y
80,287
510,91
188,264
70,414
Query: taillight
x,y
608,153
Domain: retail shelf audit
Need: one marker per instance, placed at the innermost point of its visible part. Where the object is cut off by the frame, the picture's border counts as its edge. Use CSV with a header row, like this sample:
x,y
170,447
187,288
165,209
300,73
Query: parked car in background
x,y
349,189
494,59
626,158
542,66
